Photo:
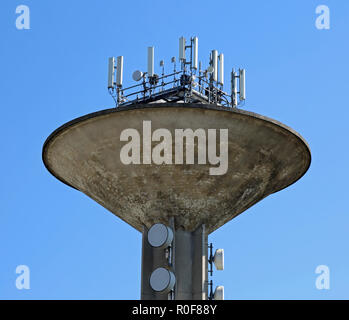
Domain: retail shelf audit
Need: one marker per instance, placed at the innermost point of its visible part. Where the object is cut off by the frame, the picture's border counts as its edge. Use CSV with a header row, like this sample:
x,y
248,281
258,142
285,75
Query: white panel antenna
x,y
111,72
182,49
195,52
242,84
221,69
219,293
150,61
218,259
215,64
119,70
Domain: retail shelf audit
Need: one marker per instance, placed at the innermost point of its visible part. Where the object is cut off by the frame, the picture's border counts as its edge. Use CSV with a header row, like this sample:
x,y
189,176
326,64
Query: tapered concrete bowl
x,y
264,157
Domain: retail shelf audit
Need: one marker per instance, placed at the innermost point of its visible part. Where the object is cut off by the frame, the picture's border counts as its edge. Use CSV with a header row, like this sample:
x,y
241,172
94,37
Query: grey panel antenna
x,y
242,84
215,65
182,48
221,69
195,52
119,70
150,61
111,72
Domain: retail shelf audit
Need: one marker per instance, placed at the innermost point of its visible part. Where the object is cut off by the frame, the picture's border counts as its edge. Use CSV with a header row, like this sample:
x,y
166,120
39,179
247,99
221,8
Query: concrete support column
x,y
189,264
190,257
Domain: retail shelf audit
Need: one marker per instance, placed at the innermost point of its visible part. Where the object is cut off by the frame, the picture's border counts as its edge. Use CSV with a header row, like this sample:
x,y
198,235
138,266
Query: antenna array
x,y
189,84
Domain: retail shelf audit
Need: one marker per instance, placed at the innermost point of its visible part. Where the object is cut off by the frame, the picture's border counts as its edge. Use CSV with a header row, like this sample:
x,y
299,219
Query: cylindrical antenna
x,y
119,70
195,52
242,84
221,69
111,72
182,49
150,61
214,64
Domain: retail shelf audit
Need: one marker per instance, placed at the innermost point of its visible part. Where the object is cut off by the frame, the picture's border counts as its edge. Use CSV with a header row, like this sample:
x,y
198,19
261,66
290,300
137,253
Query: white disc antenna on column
x,y
162,280
160,236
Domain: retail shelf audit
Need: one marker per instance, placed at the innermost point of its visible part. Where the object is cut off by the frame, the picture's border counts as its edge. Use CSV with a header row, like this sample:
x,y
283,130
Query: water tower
x,y
176,159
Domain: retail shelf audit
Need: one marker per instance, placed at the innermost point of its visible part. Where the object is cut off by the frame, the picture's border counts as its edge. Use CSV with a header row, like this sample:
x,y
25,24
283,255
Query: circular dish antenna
x,y
219,293
162,280
218,259
137,75
210,69
160,236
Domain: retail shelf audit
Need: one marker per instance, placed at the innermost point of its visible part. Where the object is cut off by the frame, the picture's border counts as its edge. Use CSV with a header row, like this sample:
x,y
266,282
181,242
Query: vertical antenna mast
x,y
233,88
162,65
173,60
200,74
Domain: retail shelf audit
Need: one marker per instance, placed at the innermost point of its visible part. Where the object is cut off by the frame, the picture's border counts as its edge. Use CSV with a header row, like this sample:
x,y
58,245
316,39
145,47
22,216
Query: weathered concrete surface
x,y
265,156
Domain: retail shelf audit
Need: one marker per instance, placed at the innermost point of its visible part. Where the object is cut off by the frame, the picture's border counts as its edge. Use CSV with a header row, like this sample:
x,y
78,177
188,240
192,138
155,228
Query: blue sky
x,y
57,71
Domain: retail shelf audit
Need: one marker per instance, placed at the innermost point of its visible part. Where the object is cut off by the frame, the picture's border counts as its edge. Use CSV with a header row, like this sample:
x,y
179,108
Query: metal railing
x,y
190,88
